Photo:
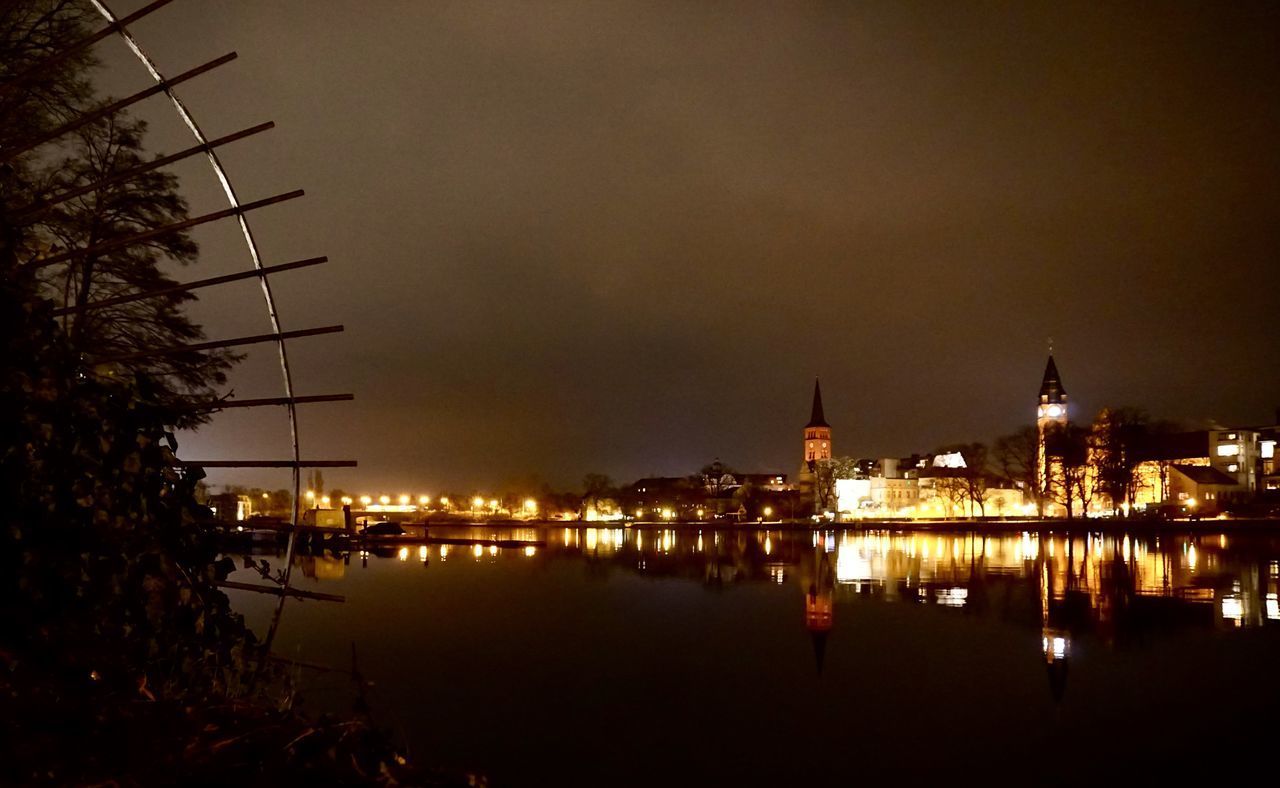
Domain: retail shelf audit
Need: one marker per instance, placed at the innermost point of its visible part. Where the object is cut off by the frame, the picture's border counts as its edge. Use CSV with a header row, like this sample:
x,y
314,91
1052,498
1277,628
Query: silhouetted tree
x,y
596,488
105,215
1016,459
972,479
826,473
1114,443
1071,482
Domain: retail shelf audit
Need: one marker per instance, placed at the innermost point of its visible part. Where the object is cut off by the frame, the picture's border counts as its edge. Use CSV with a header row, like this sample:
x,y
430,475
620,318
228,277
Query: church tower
x,y
817,433
817,446
1050,413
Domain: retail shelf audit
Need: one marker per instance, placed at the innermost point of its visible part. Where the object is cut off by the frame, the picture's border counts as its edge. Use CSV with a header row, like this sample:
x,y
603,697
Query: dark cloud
x,y
625,236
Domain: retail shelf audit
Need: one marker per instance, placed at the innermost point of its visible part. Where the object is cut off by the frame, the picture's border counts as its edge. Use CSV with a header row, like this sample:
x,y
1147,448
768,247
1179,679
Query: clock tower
x,y
817,433
1050,413
817,447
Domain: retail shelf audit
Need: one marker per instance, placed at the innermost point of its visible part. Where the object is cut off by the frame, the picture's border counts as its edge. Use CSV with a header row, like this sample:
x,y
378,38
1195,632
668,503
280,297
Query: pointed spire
x,y
817,418
1051,389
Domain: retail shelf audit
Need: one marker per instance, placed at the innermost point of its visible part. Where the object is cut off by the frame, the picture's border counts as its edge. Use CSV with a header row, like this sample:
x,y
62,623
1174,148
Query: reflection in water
x,y
1106,585
819,600
892,621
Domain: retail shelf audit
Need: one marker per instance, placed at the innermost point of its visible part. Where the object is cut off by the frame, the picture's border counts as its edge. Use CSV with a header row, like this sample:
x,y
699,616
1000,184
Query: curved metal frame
x,y
234,201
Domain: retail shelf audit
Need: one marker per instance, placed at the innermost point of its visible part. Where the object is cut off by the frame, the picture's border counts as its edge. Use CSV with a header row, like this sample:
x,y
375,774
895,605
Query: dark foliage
x,y
119,657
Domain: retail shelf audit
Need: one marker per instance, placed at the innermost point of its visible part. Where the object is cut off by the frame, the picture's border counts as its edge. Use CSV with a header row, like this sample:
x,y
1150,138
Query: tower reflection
x,y
818,580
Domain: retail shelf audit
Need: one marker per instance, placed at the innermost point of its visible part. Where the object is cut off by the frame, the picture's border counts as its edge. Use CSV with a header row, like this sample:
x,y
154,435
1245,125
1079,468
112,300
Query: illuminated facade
x,y
925,488
1051,413
816,446
1268,470
1205,468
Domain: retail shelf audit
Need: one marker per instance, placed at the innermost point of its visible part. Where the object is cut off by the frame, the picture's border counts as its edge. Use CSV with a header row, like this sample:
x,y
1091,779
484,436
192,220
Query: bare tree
x,y
596,488
1017,458
972,480
1072,481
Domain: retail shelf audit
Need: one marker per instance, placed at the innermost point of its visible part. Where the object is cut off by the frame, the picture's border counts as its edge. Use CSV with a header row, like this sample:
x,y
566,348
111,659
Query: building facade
x,y
817,447
1051,414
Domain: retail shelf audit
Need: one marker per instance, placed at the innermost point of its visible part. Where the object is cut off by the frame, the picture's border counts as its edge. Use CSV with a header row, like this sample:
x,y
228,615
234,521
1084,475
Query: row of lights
x,y
668,514
530,505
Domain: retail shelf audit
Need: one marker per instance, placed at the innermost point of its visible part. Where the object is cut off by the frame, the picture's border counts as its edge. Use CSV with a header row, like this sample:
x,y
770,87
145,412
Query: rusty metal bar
x,y
113,108
268,463
221,343
196,285
83,43
258,403
107,246
277,590
41,206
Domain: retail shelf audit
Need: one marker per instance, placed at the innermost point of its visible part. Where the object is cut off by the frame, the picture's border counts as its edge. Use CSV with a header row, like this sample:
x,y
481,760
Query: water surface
x,y
685,657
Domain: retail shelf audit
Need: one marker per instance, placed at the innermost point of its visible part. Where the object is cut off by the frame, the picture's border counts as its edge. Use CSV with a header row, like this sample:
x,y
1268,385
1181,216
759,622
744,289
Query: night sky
x,y
624,237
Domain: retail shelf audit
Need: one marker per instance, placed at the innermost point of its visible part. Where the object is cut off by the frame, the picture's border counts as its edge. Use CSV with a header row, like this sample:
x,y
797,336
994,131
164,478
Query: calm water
x,y
651,657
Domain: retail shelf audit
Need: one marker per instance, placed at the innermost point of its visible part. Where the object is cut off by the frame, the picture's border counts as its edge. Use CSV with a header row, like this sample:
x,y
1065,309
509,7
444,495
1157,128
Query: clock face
x,y
1054,411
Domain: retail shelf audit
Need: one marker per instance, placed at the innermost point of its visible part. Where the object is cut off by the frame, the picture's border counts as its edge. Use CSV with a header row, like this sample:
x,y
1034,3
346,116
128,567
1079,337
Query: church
x,y
817,447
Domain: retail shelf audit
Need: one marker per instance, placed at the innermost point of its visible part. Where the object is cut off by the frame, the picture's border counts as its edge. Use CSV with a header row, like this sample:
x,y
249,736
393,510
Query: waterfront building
x,y
1051,414
936,486
1201,468
817,447
1268,470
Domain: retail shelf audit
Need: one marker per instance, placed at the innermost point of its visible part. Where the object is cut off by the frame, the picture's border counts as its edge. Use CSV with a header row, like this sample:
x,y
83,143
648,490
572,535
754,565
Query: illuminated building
x,y
1210,466
816,447
922,488
231,507
1268,469
1051,412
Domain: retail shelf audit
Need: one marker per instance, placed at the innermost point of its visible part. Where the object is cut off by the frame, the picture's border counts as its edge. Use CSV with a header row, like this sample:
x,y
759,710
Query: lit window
x,y
1228,450
1232,468
1268,450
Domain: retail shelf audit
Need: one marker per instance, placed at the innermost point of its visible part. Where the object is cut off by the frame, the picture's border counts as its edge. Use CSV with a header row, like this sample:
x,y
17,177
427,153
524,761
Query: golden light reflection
x,y
940,568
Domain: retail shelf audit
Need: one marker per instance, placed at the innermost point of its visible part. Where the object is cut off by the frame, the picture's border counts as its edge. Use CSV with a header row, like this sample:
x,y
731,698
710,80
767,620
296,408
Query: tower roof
x,y
817,418
1051,386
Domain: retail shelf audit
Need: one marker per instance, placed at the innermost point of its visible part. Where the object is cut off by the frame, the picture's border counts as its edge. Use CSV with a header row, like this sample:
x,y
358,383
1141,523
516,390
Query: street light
x,y
365,500
384,499
423,500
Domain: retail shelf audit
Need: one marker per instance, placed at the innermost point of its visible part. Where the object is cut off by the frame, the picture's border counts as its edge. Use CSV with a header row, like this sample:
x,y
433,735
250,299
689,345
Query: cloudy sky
x,y
624,237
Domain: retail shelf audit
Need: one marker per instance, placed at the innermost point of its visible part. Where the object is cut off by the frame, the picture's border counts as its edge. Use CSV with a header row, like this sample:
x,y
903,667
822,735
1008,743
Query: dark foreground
x,y
622,656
